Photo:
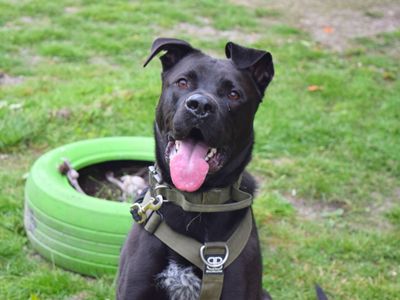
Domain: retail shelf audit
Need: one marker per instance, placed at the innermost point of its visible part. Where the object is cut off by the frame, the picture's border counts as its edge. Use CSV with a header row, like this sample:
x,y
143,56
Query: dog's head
x,y
204,119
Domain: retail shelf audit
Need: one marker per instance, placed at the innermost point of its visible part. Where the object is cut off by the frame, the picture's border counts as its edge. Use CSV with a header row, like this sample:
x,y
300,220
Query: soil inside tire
x,y
92,179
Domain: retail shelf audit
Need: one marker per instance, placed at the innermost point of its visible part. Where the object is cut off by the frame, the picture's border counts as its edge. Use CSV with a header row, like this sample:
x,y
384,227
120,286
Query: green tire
x,y
78,232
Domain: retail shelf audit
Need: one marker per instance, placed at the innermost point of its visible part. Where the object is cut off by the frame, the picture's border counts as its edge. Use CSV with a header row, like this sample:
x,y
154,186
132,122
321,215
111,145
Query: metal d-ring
x,y
214,263
158,187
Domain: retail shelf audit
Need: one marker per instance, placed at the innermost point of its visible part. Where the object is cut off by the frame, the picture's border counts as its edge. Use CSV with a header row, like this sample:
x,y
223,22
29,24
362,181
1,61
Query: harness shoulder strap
x,y
183,245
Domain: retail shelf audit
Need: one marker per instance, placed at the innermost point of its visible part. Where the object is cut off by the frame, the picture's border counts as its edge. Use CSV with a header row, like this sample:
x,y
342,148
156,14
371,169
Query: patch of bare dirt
x,y
282,161
6,79
79,296
3,156
31,58
381,205
103,61
20,23
316,210
207,32
63,113
15,162
71,10
26,20
336,28
335,23
371,216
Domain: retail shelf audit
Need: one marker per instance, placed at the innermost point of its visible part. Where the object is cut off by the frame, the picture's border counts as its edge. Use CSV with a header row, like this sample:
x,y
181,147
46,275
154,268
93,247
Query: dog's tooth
x,y
207,158
211,152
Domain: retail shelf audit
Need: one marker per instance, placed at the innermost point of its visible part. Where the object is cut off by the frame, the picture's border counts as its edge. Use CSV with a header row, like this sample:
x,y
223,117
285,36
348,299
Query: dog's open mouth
x,y
190,160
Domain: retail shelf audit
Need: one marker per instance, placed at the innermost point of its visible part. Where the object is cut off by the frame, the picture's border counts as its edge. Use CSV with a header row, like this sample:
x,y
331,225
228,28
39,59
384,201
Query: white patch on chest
x,y
180,283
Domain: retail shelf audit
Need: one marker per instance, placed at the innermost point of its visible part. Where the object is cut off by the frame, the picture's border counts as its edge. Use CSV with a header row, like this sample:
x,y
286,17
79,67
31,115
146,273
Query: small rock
x,y
3,156
16,106
63,113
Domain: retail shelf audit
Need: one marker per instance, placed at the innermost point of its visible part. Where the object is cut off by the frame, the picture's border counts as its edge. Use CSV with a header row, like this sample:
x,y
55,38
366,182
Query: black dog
x,y
204,139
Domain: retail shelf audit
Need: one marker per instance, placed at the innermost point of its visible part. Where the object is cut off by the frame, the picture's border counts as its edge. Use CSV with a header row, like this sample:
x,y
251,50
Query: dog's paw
x,y
179,282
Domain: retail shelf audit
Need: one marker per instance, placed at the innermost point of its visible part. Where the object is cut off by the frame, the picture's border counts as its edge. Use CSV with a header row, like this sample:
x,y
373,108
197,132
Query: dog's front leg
x,y
242,280
143,256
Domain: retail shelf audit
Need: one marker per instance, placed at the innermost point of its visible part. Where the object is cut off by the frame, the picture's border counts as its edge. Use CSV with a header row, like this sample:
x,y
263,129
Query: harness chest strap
x,y
189,248
213,276
193,251
211,257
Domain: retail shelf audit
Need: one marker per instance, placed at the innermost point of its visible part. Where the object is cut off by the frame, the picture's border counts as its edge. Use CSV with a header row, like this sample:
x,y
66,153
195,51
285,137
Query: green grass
x,y
334,152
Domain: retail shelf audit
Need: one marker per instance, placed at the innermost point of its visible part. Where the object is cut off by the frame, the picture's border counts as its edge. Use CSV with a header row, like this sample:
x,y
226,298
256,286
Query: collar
x,y
214,200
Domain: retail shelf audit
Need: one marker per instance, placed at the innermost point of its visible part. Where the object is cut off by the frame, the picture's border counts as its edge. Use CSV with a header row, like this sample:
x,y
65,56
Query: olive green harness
x,y
211,257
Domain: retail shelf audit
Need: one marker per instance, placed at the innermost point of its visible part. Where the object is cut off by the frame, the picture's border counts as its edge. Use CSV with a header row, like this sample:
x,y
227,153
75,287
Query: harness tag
x,y
214,256
214,266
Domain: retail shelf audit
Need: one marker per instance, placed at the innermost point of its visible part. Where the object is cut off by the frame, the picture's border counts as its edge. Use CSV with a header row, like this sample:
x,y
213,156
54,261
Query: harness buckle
x,y
138,210
155,174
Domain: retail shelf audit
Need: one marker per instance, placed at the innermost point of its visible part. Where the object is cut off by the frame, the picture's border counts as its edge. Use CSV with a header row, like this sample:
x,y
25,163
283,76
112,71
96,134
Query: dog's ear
x,y
258,62
175,51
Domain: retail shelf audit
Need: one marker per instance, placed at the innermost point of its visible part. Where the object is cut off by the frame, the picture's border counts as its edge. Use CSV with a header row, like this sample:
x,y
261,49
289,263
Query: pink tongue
x,y
188,167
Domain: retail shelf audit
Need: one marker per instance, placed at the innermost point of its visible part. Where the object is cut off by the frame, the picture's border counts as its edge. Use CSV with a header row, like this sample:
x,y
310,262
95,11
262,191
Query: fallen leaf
x,y
34,297
389,76
328,29
314,88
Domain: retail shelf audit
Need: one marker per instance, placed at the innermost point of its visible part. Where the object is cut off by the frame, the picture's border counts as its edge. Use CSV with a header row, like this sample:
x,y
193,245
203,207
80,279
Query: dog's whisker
x,y
192,220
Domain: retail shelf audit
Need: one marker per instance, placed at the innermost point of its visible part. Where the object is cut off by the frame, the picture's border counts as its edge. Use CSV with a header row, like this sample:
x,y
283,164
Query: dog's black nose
x,y
200,105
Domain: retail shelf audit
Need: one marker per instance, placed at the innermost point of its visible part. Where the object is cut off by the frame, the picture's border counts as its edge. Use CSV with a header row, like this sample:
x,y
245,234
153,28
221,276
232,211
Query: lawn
x,y
327,152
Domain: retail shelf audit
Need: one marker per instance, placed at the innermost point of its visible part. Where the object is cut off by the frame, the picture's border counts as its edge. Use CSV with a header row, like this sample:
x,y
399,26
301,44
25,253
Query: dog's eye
x,y
233,95
182,84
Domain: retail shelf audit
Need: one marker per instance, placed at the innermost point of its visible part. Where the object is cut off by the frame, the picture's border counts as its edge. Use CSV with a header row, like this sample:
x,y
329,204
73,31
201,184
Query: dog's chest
x,y
179,282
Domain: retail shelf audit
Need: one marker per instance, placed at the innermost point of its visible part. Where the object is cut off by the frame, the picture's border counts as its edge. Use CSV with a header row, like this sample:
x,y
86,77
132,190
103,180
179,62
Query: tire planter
x,y
78,232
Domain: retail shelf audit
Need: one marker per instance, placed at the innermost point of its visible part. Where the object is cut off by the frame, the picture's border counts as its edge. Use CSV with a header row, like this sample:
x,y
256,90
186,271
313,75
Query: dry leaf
x,y
314,88
328,29
389,76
